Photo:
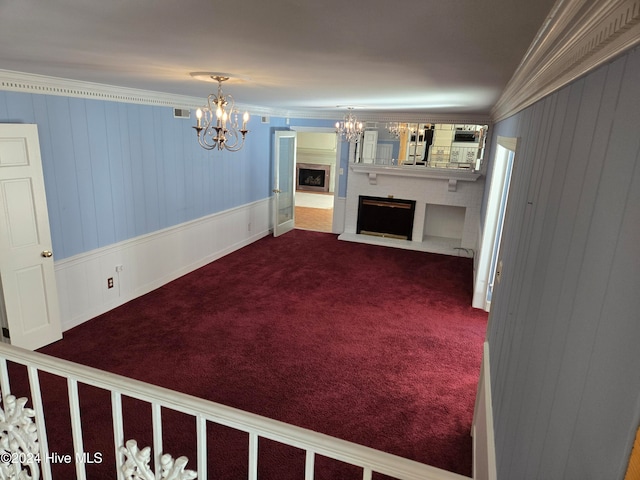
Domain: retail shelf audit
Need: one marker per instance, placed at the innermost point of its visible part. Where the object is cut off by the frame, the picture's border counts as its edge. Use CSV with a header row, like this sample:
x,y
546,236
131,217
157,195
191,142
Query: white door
x,y
369,144
283,182
27,276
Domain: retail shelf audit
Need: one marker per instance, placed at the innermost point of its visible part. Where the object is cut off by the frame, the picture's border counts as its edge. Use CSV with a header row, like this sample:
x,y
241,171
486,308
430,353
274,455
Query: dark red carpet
x,y
374,345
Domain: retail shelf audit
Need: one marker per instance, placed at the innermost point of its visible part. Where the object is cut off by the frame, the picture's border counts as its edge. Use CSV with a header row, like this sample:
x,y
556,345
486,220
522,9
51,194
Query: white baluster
x,y
18,440
201,432
309,465
136,465
118,429
76,428
36,400
4,378
253,456
156,418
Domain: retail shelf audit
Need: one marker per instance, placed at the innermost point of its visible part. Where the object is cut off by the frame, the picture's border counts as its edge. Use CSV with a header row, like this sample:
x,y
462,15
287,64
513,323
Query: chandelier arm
x,y
203,143
217,123
349,128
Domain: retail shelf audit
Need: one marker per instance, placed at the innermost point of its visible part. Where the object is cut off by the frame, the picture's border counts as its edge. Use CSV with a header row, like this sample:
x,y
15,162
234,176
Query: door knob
x,y
47,253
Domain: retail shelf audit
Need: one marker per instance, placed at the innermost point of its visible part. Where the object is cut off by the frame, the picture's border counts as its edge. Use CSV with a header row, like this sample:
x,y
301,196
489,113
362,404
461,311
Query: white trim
x,y
476,258
313,129
490,227
484,452
337,223
450,174
577,36
147,262
41,84
339,212
45,85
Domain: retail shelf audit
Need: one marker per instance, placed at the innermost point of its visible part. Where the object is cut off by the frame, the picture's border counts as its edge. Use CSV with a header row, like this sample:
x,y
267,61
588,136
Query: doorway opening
x,y
316,153
489,264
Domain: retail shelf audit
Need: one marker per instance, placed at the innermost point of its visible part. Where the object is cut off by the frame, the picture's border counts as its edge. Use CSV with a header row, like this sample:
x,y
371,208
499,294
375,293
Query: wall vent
x,y
264,119
181,113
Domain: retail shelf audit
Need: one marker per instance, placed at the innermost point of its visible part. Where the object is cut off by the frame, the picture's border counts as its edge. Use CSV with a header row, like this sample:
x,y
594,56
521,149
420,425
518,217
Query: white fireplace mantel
x,y
447,209
452,175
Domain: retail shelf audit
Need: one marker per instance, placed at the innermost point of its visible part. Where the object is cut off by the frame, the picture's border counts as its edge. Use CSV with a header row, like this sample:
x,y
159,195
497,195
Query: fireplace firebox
x,y
386,217
312,177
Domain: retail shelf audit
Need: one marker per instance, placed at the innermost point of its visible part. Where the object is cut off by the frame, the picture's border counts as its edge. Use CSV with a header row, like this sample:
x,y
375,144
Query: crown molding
x,y
577,37
41,84
46,85
420,117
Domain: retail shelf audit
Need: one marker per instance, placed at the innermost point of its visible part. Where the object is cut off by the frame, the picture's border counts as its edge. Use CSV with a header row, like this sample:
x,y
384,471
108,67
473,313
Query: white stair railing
x,y
129,456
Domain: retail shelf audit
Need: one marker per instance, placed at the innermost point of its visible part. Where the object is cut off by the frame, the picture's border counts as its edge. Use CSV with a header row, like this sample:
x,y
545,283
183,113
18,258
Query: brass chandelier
x,y
217,124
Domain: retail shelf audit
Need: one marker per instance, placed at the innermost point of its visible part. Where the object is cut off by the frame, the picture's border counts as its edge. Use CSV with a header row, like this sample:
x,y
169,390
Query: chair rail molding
x,y
576,37
134,267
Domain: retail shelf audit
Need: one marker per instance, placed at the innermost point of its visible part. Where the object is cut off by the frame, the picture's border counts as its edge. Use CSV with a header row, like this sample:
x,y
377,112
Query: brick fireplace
x,y
446,217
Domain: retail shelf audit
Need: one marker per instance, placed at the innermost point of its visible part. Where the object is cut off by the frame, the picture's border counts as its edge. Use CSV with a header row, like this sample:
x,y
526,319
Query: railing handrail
x,y
319,443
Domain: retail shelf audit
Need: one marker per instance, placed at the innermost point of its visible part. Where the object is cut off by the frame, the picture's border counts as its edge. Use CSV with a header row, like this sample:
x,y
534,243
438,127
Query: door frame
x,y
288,225
338,207
497,200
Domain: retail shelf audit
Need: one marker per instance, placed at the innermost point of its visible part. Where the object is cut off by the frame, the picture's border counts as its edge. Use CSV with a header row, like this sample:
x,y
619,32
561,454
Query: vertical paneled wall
x,y
114,171
564,330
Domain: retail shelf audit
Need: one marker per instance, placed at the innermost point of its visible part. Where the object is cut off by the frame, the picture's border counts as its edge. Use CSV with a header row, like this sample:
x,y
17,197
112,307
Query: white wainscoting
x,y
144,263
484,452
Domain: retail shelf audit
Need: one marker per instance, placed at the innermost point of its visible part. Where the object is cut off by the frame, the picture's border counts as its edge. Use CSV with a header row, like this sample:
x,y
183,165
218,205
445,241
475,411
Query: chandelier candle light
x,y
395,129
350,129
217,122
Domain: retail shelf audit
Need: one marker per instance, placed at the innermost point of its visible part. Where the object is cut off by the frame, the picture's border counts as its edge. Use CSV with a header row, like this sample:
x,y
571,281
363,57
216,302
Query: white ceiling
x,y
432,56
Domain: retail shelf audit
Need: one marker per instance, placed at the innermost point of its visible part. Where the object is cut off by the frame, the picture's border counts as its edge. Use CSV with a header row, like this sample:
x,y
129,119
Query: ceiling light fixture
x,y
350,129
396,128
217,121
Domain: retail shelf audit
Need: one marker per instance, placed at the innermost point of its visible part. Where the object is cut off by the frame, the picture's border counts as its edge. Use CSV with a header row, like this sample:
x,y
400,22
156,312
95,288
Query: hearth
x,y
386,217
313,177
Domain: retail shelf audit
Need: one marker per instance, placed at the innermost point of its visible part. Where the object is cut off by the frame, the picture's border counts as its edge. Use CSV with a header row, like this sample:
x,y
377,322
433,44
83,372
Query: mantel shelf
x,y
448,174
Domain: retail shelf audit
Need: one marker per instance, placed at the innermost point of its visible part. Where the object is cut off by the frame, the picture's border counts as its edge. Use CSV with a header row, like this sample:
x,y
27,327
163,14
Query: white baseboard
x,y
484,453
142,264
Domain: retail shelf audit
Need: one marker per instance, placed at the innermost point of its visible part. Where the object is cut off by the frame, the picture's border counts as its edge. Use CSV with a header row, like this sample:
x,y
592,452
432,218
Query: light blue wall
x,y
564,328
114,171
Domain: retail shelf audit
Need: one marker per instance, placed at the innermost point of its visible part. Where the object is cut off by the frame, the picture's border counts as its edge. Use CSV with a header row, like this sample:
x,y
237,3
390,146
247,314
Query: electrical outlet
x,y
110,282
